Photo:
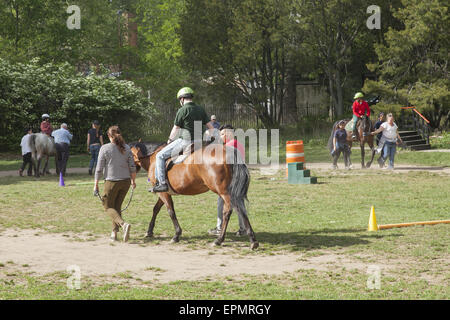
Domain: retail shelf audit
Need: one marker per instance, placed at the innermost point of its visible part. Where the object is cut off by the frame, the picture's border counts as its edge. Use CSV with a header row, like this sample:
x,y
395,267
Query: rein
x,y
97,194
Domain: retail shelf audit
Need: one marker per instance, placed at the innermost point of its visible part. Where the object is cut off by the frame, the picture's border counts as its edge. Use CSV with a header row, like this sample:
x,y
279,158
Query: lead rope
x,y
96,193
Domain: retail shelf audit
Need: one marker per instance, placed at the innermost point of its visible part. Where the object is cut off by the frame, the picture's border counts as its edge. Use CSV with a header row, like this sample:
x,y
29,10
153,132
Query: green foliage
x,y
441,141
414,61
29,90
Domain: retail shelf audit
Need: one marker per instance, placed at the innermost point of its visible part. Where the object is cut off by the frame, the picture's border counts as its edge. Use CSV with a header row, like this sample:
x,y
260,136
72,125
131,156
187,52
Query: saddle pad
x,y
349,126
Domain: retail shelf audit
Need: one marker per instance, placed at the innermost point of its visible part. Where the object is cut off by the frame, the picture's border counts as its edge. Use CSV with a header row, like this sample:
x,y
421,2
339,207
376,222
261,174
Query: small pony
x,y
41,145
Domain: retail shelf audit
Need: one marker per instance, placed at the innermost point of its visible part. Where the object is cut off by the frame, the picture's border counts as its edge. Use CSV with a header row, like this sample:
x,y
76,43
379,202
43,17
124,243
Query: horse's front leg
x,y
362,156
151,226
38,167
45,170
167,199
373,153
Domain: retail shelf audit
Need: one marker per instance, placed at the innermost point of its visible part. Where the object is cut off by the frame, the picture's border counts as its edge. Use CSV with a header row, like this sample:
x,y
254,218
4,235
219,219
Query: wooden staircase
x,y
416,130
414,140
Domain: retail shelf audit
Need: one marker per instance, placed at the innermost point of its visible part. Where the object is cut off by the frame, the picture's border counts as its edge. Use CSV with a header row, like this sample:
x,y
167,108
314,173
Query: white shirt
x,y
25,144
389,132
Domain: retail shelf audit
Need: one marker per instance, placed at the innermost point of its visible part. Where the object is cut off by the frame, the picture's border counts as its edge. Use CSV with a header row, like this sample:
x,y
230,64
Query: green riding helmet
x,y
185,92
358,95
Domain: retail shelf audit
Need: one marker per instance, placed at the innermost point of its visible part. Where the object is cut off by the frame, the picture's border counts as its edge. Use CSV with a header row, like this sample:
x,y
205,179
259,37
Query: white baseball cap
x,y
45,115
213,117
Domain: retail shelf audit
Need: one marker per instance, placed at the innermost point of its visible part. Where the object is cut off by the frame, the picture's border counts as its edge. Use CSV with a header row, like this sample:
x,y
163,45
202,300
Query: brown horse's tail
x,y
240,182
330,140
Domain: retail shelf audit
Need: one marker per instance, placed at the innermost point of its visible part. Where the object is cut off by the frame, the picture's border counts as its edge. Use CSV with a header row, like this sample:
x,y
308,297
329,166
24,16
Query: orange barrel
x,y
294,153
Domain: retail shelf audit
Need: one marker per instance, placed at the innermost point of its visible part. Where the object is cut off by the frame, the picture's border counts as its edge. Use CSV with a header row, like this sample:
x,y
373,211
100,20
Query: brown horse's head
x,y
137,155
365,126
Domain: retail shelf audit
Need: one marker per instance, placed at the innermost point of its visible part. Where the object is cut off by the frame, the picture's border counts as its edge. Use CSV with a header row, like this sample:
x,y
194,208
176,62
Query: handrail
x,y
415,110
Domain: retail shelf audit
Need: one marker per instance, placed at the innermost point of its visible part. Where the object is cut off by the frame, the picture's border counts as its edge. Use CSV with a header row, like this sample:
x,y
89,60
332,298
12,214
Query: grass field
x,y
309,221
315,151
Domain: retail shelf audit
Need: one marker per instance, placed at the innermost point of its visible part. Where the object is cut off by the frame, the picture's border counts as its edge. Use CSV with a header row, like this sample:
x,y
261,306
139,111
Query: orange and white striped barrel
x,y
294,153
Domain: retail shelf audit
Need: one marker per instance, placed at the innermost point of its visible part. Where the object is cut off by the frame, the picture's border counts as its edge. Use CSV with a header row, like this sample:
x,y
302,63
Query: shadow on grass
x,y
295,241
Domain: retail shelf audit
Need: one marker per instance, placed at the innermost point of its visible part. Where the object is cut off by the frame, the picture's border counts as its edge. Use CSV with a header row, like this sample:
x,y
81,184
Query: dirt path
x,y
314,165
45,253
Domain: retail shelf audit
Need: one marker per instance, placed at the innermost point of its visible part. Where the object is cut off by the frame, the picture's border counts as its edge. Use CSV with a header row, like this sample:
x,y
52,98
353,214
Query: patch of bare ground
x,y
41,253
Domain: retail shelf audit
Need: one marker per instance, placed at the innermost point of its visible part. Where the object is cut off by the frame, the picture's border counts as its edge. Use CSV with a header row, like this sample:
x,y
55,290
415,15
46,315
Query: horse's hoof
x,y
148,237
216,243
174,240
254,245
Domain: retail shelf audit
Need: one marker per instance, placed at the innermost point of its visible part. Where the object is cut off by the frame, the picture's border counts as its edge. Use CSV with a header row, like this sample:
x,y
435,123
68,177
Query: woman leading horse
x,y
207,168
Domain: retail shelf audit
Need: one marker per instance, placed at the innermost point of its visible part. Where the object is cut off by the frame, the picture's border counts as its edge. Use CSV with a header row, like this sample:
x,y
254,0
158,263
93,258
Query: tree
x,y
243,45
29,90
413,65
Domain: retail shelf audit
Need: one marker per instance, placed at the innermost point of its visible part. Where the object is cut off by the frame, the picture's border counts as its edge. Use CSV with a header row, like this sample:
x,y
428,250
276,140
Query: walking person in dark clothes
x,y
377,126
62,141
340,145
94,143
26,153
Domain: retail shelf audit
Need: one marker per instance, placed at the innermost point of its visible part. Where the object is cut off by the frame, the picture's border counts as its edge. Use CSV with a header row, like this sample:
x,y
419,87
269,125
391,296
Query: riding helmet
x,y
185,92
358,95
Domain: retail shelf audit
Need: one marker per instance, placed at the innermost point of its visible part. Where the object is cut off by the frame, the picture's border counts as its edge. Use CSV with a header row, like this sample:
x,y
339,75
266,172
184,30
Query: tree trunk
x,y
339,106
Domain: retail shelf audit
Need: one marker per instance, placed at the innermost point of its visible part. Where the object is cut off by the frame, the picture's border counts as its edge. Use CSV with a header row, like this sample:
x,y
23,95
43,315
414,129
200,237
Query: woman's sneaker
x,y
113,236
126,231
214,232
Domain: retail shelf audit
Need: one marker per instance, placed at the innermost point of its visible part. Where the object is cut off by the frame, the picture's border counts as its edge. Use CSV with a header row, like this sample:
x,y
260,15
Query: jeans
x,y
94,149
220,204
355,121
167,152
27,160
389,150
62,156
345,149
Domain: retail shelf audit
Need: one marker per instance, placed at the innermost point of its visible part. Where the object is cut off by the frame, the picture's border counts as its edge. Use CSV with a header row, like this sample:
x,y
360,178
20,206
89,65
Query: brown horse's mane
x,y
148,148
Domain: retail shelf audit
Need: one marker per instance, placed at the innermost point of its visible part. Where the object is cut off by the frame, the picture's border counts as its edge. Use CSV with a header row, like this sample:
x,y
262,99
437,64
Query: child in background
x,y
340,145
26,153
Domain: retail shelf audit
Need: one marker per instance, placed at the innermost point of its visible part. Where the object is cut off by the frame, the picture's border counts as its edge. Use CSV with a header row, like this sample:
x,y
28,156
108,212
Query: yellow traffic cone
x,y
372,220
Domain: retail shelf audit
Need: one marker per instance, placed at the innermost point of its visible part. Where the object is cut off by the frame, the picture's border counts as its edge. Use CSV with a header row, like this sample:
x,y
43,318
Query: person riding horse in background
x,y
184,120
46,127
227,137
360,108
116,163
94,142
62,138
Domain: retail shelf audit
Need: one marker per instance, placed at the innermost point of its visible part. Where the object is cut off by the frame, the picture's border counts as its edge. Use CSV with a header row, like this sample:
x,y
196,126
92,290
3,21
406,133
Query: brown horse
x,y
364,126
192,177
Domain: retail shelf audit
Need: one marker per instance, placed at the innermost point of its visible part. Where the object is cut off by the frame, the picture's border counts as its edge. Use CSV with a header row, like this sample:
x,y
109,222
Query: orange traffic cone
x,y
372,220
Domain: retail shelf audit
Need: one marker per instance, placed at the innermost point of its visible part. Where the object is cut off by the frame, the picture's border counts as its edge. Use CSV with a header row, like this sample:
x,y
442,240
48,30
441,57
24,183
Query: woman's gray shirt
x,y
113,164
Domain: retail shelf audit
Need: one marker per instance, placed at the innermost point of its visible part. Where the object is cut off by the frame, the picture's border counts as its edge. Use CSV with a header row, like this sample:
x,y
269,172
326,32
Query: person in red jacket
x,y
360,108
46,127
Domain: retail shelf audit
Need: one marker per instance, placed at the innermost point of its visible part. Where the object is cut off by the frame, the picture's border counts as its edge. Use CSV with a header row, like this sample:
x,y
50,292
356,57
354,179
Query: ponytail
x,y
117,139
